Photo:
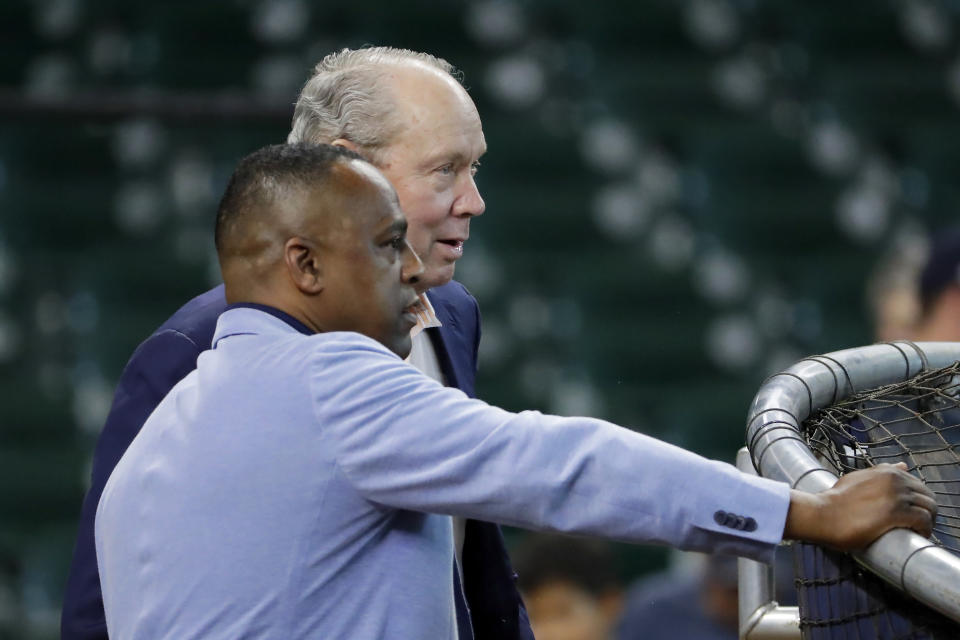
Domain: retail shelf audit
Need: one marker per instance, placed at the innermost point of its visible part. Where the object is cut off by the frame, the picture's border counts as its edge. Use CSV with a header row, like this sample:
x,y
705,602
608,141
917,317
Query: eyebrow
x,y
455,157
398,226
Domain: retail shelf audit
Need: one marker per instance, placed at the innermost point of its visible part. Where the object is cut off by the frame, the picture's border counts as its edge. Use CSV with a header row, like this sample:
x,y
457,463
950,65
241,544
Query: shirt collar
x,y
426,316
276,313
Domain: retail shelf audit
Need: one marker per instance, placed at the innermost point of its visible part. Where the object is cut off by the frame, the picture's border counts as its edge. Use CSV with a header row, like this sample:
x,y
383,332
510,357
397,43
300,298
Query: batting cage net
x,y
917,422
828,415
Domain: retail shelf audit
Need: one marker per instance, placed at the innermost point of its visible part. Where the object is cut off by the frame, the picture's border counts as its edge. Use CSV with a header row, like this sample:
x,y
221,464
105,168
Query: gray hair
x,y
347,97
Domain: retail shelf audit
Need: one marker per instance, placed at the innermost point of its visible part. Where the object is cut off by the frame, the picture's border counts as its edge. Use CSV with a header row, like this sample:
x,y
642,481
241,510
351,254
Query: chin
x,y
436,277
402,346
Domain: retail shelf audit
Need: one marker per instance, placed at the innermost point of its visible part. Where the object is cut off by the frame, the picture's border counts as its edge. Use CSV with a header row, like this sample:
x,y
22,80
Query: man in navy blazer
x,y
405,112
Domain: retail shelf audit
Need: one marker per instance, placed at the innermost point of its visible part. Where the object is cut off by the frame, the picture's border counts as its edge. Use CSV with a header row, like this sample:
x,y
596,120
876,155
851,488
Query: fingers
x,y
921,521
909,481
925,502
916,504
912,481
921,513
865,504
919,493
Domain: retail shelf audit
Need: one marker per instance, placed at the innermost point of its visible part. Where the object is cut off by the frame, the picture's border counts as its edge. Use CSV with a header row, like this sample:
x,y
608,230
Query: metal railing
x,y
761,617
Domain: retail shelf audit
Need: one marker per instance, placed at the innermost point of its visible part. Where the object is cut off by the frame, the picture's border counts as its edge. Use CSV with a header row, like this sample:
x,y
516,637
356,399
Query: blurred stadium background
x,y
683,196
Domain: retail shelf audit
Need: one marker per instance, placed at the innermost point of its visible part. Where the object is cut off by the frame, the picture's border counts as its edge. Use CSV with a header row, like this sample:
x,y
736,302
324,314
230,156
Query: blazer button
x,y
731,520
740,524
720,517
750,525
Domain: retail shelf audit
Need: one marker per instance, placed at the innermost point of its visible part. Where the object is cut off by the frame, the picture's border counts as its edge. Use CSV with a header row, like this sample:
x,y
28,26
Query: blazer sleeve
x,y
155,367
406,442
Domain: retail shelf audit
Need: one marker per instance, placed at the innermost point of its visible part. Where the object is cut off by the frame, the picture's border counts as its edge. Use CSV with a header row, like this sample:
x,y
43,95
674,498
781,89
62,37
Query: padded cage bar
x,y
917,566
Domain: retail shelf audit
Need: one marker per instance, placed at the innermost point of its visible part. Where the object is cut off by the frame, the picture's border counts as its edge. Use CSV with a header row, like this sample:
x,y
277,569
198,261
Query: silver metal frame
x,y
908,561
761,617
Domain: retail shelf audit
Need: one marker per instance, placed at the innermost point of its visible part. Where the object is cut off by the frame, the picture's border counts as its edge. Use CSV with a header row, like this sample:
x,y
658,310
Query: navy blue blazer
x,y
163,359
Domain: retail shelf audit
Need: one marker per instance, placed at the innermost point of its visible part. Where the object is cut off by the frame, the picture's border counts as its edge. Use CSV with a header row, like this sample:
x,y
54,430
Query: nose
x,y
469,202
412,268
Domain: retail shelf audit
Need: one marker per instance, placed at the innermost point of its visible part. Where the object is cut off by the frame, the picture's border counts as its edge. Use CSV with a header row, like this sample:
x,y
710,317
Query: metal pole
x,y
761,618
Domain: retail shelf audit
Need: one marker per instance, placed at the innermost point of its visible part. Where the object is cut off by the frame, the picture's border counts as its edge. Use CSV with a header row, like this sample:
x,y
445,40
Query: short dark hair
x,y
544,558
270,173
942,269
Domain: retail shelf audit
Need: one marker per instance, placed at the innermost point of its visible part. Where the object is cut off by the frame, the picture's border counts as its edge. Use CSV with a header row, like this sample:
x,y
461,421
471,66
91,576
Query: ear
x,y
303,264
346,144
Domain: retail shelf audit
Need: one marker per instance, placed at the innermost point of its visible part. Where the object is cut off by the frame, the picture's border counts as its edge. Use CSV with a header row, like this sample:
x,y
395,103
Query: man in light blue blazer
x,y
301,482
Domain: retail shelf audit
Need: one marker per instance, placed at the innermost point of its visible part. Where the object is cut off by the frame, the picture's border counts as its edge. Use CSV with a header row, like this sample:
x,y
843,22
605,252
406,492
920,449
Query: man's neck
x,y
277,313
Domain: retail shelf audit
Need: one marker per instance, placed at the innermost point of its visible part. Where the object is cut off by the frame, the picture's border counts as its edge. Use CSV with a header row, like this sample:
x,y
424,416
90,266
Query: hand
x,y
861,507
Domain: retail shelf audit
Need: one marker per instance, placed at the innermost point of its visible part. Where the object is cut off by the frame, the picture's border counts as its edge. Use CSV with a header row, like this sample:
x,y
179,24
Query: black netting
x,y
840,599
916,422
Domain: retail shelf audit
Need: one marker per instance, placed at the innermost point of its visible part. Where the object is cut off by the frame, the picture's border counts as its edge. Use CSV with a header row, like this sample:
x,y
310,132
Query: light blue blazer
x,y
300,486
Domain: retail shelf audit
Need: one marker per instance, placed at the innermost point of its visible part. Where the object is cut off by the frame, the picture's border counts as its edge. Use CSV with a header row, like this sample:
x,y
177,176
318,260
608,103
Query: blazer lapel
x,y
439,341
444,340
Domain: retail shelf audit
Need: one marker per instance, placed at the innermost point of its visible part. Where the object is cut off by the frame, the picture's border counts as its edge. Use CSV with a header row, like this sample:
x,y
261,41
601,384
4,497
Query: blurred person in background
x,y
696,599
893,299
939,290
407,113
569,586
914,294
